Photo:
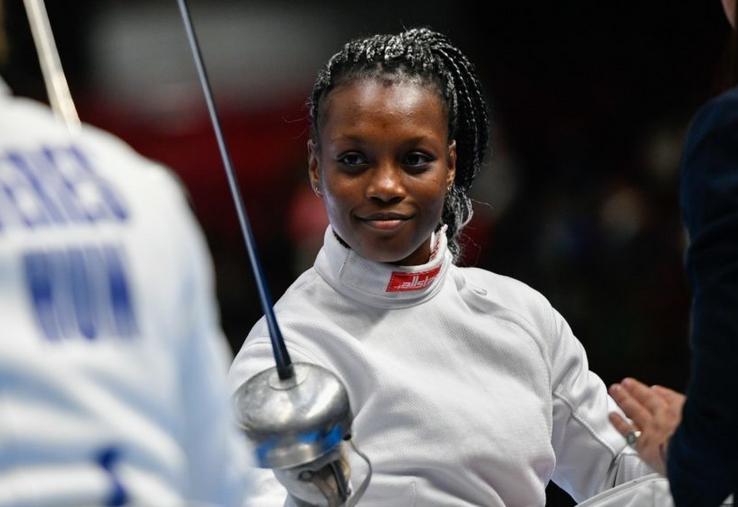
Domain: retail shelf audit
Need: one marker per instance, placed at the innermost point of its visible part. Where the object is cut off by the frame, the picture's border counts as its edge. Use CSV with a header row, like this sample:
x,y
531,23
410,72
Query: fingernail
x,y
615,388
627,381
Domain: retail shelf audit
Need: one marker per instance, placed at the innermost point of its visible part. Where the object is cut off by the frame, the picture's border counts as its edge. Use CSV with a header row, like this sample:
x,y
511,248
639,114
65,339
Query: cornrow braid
x,y
422,56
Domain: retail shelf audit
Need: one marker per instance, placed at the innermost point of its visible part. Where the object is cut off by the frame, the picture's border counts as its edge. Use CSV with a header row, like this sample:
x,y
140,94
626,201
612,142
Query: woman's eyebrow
x,y
348,137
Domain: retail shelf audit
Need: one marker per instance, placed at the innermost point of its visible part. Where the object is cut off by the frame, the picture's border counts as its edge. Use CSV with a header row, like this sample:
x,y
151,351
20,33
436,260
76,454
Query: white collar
x,y
379,284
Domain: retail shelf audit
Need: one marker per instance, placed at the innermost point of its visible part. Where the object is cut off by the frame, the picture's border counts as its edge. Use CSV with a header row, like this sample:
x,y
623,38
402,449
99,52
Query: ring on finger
x,y
632,437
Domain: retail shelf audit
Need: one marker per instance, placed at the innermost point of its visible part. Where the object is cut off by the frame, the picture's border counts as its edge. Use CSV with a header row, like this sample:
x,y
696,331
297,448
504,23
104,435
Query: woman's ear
x,y
314,167
451,175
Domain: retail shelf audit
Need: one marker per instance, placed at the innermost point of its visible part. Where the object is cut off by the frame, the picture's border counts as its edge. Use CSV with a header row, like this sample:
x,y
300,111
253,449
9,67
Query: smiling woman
x,y
383,168
397,78
467,387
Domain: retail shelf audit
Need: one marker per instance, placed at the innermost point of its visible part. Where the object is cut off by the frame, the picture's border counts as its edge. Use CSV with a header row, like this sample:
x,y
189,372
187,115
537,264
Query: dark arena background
x,y
590,102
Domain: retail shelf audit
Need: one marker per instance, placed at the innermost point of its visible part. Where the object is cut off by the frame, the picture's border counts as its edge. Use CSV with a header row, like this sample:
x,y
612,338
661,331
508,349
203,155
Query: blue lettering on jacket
x,y
55,186
80,293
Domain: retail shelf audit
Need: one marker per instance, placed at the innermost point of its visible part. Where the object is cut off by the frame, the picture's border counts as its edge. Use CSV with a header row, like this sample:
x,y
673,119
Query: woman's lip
x,y
385,216
384,224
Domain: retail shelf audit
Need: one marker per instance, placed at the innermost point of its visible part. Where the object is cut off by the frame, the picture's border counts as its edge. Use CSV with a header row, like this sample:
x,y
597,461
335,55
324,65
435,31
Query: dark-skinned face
x,y
383,167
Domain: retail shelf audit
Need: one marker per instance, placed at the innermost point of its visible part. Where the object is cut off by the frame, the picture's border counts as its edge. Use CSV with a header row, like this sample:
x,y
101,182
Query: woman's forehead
x,y
378,101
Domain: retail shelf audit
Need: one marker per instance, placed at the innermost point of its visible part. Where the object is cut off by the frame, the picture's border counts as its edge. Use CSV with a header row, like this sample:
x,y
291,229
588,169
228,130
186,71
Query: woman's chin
x,y
388,248
399,256
383,255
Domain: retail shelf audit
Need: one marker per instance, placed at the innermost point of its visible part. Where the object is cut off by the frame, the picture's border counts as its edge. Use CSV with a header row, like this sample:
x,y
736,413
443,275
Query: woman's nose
x,y
386,184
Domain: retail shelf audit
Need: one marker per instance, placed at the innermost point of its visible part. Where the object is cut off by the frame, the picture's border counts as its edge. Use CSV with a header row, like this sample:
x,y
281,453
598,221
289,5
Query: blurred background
x,y
590,102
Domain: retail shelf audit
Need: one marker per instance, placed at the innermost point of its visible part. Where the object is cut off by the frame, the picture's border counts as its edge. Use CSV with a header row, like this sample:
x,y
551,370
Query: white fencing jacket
x,y
112,366
467,387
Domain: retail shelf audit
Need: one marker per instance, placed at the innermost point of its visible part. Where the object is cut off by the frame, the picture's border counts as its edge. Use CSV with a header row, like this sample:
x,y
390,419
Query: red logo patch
x,y
403,282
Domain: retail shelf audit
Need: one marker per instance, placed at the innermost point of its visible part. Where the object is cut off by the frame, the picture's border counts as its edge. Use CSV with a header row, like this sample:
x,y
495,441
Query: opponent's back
x,y
111,360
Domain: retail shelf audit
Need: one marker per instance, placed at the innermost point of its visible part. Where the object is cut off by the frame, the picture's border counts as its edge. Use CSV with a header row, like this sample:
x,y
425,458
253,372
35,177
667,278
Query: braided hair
x,y
427,58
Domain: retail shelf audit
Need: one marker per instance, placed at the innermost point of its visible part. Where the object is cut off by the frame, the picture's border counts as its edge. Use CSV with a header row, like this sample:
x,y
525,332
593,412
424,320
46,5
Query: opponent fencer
x,y
112,363
467,387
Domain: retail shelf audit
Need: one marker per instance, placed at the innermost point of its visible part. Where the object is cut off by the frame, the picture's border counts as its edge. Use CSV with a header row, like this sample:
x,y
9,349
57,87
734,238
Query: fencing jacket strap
x,y
380,284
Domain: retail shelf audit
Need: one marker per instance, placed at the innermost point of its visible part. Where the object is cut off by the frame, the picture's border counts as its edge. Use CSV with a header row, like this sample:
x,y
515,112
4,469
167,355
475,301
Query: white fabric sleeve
x,y
217,451
591,455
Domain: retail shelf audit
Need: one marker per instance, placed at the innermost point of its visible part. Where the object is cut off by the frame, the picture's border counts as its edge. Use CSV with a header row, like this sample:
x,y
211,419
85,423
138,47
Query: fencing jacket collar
x,y
380,284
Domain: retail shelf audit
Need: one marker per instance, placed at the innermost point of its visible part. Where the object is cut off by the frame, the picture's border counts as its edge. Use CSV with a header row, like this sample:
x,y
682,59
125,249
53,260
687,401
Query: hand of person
x,y
654,411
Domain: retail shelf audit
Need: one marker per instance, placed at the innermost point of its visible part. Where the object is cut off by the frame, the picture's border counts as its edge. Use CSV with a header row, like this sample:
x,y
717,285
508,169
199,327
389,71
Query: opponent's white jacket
x,y
467,387
112,366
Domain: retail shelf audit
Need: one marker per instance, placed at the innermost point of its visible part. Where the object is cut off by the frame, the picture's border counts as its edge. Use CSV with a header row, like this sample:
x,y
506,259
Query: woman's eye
x,y
417,160
352,159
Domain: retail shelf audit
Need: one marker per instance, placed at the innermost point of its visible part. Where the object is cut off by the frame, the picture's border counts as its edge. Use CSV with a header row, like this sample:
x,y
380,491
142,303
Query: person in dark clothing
x,y
701,457
702,462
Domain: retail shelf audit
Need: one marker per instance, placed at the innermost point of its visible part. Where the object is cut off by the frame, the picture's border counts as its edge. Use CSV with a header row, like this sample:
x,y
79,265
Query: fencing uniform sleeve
x,y
591,455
